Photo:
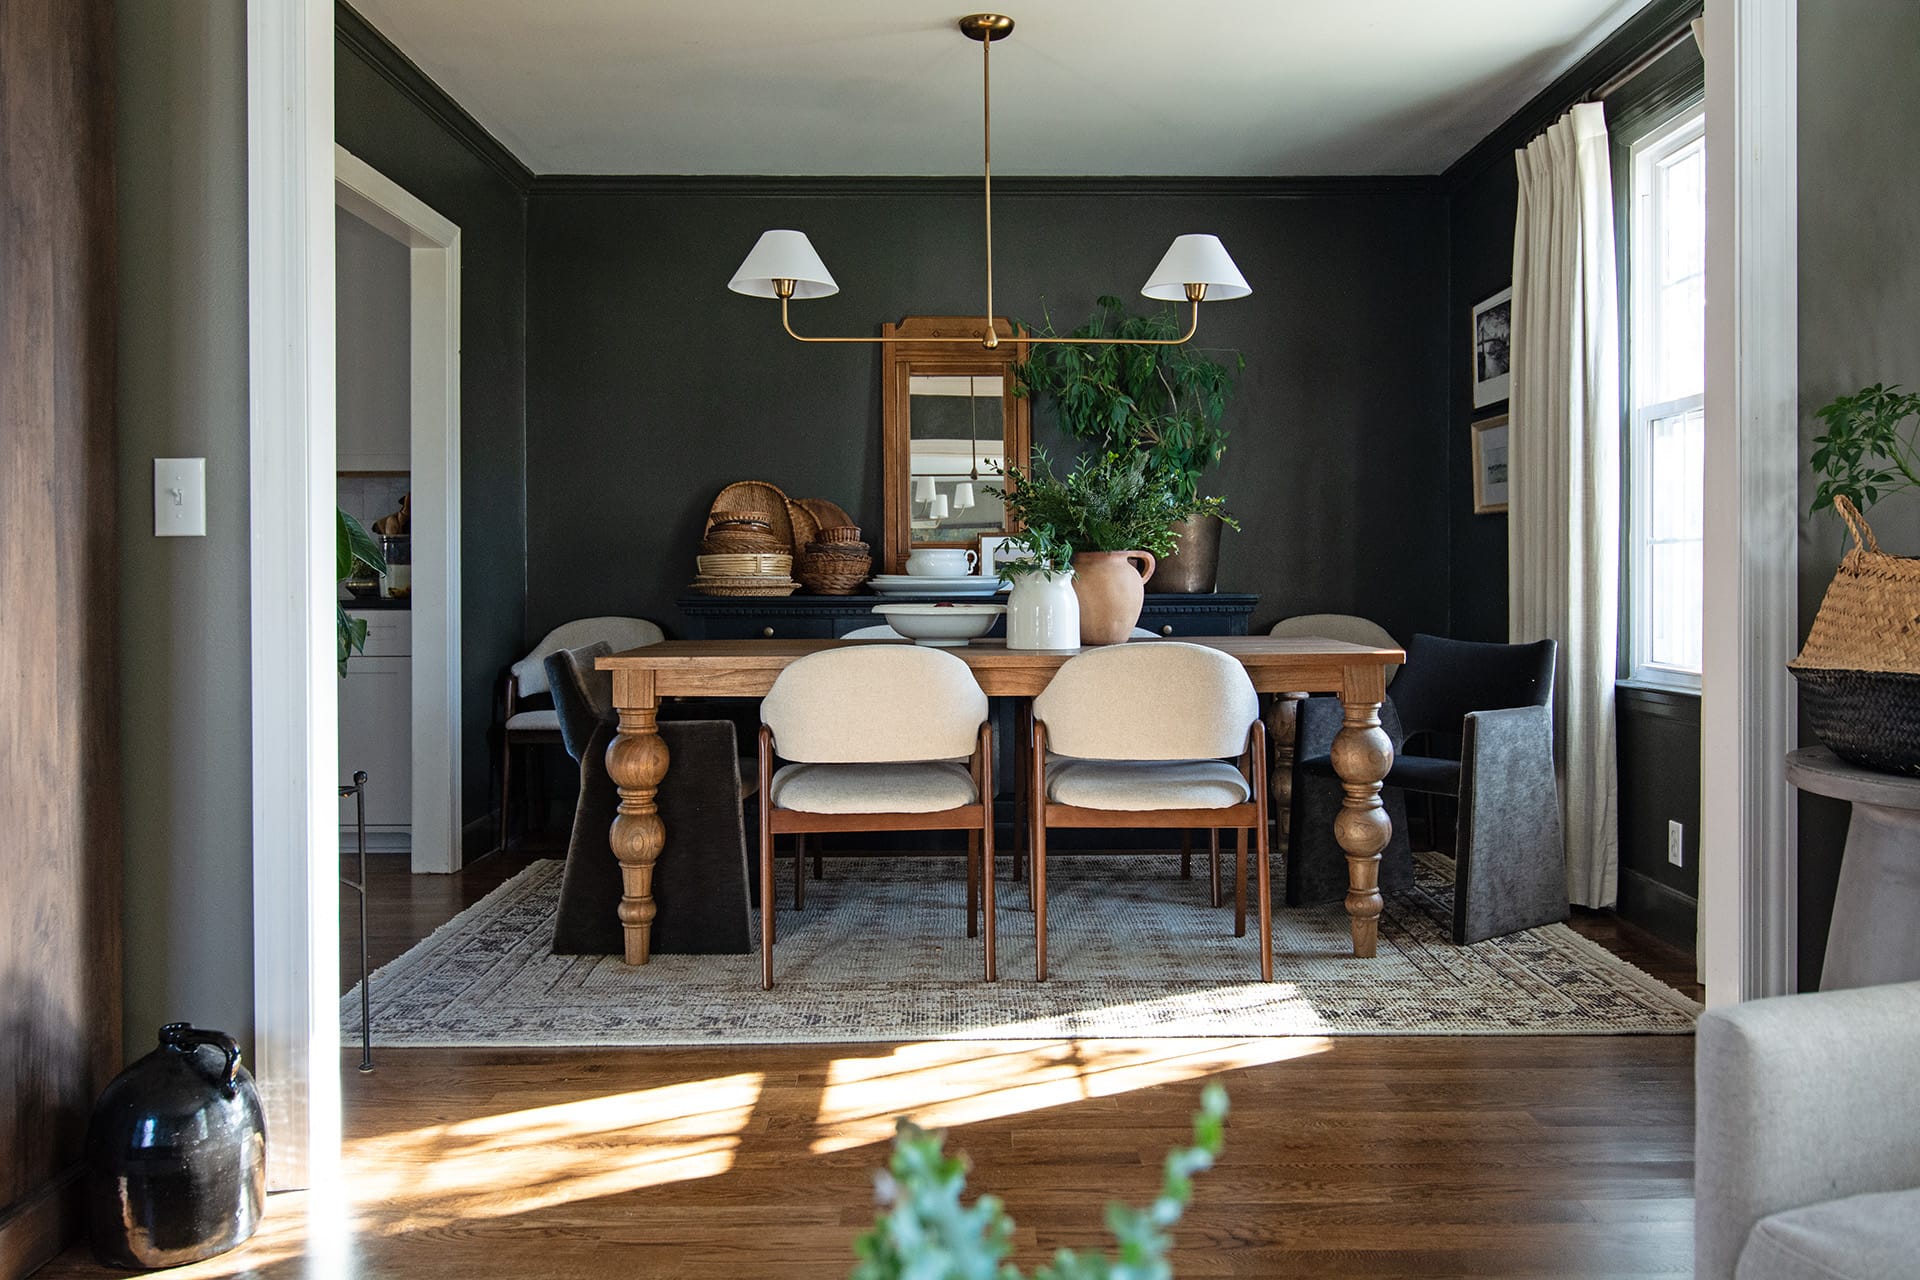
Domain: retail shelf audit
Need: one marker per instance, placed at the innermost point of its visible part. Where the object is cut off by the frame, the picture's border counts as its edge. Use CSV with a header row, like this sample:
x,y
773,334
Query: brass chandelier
x,y
783,263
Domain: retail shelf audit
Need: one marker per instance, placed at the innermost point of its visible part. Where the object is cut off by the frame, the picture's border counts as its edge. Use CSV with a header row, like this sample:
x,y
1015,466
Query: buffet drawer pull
x,y
767,632
1166,629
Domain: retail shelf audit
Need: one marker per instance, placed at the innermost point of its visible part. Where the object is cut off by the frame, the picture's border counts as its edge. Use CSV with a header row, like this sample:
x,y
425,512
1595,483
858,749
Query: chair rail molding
x,y
1748,845
433,251
290,442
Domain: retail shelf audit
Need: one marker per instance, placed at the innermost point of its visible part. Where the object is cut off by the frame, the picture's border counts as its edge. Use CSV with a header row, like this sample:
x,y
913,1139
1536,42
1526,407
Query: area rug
x,y
880,954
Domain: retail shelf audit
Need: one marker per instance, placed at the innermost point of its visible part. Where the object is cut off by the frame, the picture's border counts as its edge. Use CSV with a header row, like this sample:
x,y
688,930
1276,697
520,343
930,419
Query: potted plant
x,y
353,548
1859,671
1165,403
1113,513
930,1233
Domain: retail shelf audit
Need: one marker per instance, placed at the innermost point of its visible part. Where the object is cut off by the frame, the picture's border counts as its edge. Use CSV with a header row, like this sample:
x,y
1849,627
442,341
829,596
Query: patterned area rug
x,y
880,954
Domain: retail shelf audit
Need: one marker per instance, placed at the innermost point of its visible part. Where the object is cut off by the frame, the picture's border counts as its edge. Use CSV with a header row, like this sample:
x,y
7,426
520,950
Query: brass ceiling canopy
x,y
783,263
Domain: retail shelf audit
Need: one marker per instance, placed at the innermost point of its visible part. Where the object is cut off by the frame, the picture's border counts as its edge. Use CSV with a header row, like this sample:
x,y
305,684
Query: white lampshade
x,y
963,495
940,511
923,489
1194,260
783,255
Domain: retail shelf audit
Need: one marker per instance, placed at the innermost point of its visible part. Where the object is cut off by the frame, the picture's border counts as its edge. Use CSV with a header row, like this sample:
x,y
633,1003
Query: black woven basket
x,y
1869,717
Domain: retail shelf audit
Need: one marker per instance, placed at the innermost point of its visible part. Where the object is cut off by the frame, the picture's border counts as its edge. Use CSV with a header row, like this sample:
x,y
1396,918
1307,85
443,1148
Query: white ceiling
x,y
1191,87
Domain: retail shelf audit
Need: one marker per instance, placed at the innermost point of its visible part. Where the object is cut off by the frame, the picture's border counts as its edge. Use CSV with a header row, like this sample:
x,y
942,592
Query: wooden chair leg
x,y
800,871
1213,862
1037,887
766,893
1186,855
1240,882
986,895
973,884
1261,850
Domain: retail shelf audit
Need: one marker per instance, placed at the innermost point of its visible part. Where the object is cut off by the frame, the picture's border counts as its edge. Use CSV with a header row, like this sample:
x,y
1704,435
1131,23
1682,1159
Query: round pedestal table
x,y
1875,935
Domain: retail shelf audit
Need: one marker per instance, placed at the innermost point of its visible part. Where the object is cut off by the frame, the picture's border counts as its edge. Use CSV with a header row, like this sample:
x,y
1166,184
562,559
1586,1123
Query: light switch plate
x,y
179,497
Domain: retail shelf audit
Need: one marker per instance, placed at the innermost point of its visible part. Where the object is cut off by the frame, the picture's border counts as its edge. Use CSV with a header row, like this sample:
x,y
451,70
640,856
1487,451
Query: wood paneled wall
x,y
59,782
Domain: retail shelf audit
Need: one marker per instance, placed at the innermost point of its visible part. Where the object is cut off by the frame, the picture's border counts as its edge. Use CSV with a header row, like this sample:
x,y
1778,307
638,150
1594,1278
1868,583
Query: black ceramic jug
x,y
176,1154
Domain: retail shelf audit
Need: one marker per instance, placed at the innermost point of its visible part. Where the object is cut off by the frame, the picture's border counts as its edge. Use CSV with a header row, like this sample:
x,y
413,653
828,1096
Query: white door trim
x,y
1749,897
433,244
291,498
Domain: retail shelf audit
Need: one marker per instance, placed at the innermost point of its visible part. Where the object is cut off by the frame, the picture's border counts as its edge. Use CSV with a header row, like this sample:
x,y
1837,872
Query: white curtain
x,y
1563,528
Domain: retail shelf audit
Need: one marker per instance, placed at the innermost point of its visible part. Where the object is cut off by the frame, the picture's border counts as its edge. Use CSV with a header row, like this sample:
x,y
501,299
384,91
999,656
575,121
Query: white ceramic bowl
x,y
942,625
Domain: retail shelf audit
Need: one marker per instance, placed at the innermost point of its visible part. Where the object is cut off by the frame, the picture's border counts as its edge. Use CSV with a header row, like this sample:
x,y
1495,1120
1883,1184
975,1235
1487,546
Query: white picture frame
x,y
992,551
1490,348
1490,454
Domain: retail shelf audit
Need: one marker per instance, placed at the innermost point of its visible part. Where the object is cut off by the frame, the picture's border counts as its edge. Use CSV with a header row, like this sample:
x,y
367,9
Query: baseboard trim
x,y
1665,912
34,1231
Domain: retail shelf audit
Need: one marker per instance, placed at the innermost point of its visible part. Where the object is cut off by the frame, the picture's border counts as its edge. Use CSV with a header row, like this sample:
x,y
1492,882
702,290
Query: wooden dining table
x,y
637,758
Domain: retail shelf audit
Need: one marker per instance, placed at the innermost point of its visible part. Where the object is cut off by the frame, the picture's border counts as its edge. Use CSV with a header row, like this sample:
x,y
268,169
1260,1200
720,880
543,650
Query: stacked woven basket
x,y
758,541
1859,672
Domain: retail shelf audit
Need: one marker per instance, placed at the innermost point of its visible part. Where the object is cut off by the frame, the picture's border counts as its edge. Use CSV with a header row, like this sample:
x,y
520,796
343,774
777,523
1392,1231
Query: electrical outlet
x,y
1676,837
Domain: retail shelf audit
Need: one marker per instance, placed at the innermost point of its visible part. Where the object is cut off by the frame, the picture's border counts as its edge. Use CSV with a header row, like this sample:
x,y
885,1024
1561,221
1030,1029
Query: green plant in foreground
x,y
1165,402
1107,502
352,546
1868,449
930,1233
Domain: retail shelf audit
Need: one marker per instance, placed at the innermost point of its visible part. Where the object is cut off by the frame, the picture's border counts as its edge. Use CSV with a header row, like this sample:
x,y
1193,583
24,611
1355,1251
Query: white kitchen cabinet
x,y
376,730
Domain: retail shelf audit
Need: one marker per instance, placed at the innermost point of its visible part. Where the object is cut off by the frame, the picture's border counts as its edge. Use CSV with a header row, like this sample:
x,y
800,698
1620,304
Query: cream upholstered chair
x,y
527,678
1138,735
871,734
880,632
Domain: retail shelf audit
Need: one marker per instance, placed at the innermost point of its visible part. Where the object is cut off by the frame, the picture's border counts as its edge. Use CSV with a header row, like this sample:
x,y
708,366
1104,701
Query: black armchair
x,y
1470,721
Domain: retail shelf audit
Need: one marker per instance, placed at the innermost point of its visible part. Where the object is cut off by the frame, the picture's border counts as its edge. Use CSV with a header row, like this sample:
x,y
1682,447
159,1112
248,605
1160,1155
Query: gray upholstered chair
x,y
871,734
1469,721
1807,1137
525,726
1139,735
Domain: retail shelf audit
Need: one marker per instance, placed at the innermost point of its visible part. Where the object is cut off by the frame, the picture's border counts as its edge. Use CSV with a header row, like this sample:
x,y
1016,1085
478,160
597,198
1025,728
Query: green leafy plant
x,y
1045,551
1108,502
1868,449
1164,402
353,546
930,1233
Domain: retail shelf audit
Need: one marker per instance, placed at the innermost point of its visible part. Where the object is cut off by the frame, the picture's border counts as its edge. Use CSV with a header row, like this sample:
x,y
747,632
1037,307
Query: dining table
x,y
1287,666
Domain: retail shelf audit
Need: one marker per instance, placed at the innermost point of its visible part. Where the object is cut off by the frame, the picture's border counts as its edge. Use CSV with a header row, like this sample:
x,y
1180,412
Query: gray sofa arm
x,y
1801,1099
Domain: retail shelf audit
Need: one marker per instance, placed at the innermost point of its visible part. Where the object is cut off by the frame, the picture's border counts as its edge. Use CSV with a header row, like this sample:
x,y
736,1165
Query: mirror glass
x,y
956,446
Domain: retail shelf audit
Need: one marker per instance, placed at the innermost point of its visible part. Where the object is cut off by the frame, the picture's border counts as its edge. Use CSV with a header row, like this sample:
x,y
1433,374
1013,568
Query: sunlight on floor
x,y
518,1161
946,1083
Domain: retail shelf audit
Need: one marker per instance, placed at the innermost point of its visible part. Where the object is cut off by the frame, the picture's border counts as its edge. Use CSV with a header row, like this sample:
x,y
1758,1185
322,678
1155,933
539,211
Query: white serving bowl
x,y
942,625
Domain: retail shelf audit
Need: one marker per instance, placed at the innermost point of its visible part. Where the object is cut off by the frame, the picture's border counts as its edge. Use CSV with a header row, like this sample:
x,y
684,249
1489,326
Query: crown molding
x,y
397,69
801,188
1636,36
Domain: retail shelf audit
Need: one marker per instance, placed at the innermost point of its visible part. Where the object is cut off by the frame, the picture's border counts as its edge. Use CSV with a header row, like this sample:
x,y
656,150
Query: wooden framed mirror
x,y
949,420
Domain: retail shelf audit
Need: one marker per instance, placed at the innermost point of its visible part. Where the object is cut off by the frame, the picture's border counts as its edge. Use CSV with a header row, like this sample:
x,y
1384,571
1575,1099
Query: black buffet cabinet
x,y
1221,613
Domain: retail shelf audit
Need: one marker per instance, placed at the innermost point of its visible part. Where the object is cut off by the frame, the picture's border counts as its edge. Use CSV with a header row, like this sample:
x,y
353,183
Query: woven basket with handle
x,y
1859,671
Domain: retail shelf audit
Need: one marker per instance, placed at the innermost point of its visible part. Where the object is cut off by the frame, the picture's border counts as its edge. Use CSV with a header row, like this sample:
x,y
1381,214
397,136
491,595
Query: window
x,y
1666,361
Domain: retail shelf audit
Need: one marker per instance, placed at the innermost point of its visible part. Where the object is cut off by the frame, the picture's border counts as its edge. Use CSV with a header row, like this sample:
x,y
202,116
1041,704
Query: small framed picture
x,y
1490,465
1492,348
993,549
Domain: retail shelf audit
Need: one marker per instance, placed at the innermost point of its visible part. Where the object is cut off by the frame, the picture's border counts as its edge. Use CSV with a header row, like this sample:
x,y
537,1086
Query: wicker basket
x,y
774,565
841,533
848,550
1859,671
749,586
723,542
832,575
755,498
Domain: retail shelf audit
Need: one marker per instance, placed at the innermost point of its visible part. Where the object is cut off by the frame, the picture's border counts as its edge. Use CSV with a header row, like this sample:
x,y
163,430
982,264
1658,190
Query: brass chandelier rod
x,y
765,277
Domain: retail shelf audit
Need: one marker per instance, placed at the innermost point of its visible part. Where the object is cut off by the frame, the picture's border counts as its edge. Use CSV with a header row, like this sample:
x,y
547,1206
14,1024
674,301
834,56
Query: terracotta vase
x,y
1111,591
1194,566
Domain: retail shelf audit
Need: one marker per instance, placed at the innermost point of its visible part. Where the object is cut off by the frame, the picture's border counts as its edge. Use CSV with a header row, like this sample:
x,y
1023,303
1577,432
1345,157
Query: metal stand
x,y
359,793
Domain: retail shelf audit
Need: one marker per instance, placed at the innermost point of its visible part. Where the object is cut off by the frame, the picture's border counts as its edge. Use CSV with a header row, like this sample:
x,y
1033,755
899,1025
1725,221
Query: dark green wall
x,y
650,386
1859,284
387,114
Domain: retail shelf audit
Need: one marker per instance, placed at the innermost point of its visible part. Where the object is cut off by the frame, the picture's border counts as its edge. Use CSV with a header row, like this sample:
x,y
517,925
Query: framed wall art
x,y
1490,465
1492,348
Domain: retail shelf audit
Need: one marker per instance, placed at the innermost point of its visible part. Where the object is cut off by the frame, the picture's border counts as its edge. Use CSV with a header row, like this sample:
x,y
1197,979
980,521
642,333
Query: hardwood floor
x,y
1348,1156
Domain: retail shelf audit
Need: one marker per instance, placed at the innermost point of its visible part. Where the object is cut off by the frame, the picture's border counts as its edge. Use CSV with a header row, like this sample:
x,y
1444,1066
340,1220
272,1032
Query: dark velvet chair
x,y
1474,723
700,883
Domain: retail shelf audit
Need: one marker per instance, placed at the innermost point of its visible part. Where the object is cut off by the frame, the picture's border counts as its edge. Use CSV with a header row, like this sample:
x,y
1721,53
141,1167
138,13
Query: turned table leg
x,y
1362,754
1282,730
637,762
